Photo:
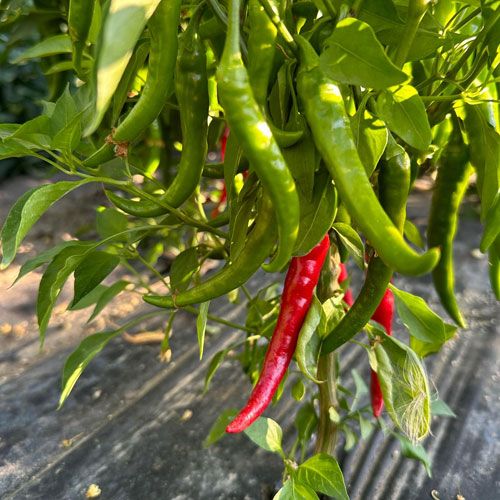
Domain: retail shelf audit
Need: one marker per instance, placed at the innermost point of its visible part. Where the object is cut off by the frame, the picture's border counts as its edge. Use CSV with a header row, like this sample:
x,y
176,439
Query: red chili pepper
x,y
348,298
300,281
383,315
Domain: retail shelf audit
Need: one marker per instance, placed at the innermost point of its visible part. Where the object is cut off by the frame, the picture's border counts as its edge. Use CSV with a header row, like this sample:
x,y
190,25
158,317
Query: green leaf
x,y
201,325
109,294
370,136
89,299
183,269
427,330
27,210
218,429
110,222
214,365
404,385
80,358
53,279
365,426
440,409
404,113
306,422
294,490
351,240
298,390
413,234
415,452
322,473
491,225
309,342
125,22
89,273
354,56
43,258
65,123
266,434
361,390
316,215
484,148
58,44
32,135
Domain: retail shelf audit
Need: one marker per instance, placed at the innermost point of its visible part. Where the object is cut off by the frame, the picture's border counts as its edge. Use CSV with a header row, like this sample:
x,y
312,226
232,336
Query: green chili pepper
x,y
394,184
254,136
451,183
326,115
79,22
192,95
258,246
163,26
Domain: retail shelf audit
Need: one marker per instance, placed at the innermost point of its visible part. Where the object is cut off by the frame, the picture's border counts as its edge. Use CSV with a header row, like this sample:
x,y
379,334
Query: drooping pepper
x,y
301,279
330,127
252,132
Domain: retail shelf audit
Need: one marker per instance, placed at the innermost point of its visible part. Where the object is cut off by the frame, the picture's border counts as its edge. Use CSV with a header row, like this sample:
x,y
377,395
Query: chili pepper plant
x,y
323,114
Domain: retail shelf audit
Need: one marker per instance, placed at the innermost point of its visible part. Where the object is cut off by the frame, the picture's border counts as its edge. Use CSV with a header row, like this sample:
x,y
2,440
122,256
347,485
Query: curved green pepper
x,y
394,184
79,21
258,246
254,136
191,87
326,115
451,183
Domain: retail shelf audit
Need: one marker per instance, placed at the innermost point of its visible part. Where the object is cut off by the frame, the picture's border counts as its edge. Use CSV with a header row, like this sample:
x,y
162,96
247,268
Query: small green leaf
x,y
80,358
351,240
370,136
26,212
404,113
354,56
415,452
306,422
53,279
361,390
201,325
108,295
183,269
89,273
110,222
294,490
413,234
491,225
218,429
322,473
214,365
43,258
89,299
316,215
309,341
298,390
365,426
440,409
484,148
267,434
404,385
58,44
427,330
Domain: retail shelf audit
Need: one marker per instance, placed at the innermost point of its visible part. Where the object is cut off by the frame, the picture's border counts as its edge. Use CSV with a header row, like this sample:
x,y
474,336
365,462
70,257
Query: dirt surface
x,y
134,425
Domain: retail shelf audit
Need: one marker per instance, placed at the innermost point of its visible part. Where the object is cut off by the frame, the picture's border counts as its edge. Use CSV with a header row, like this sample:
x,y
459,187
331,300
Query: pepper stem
x,y
327,429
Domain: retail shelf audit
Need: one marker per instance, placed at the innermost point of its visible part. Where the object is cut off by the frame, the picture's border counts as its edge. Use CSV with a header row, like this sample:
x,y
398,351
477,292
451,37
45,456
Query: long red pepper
x,y
383,315
300,281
